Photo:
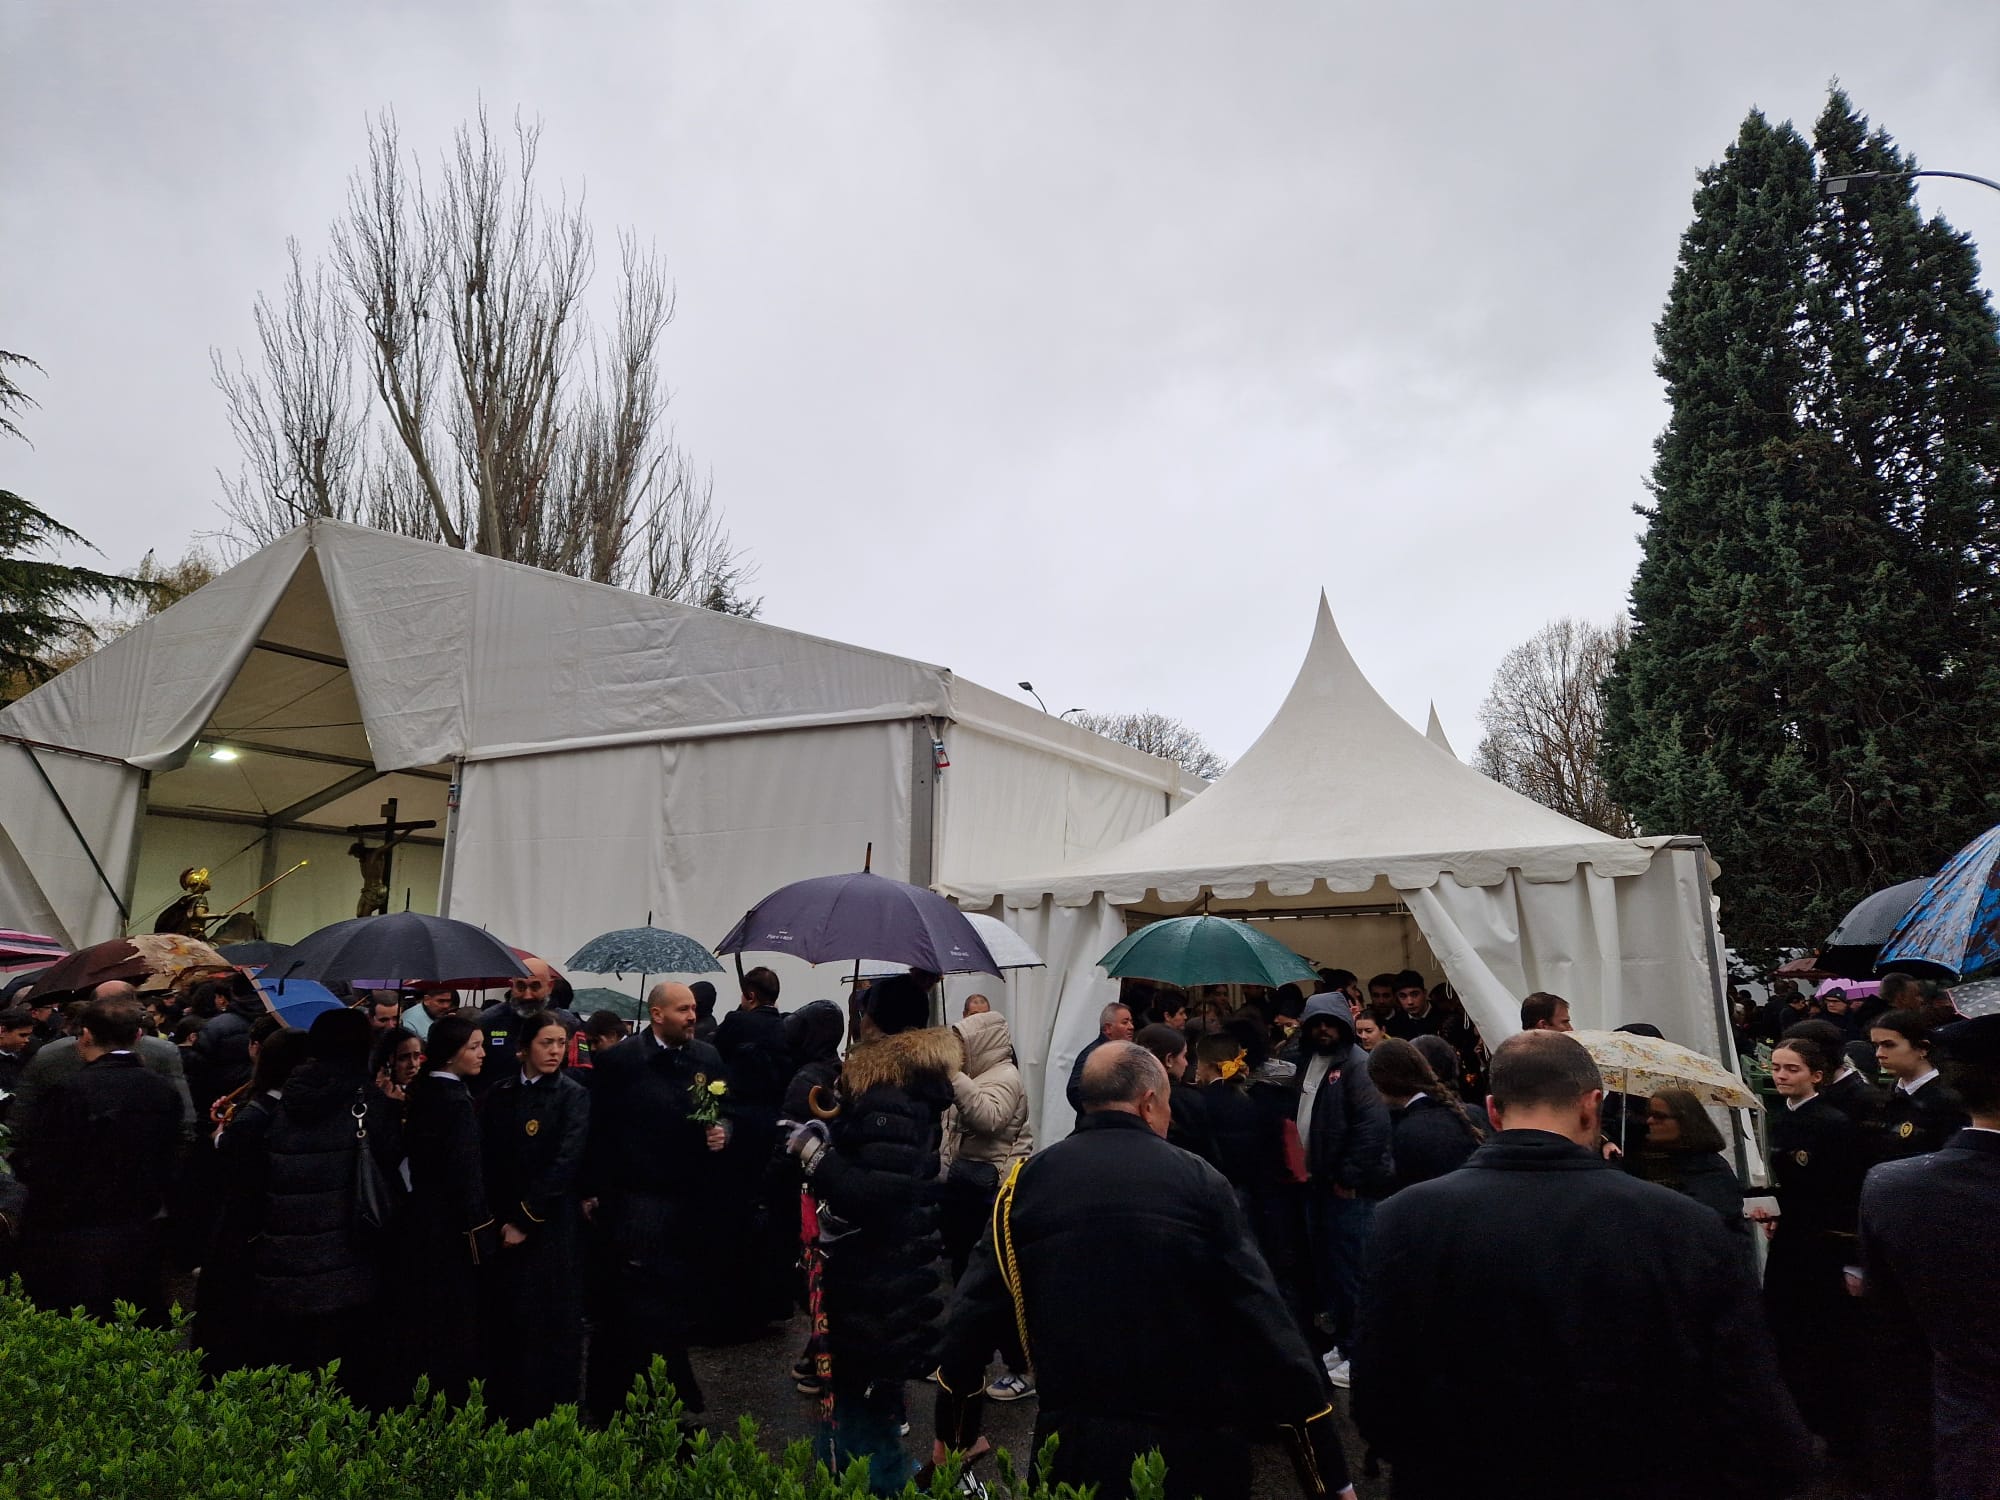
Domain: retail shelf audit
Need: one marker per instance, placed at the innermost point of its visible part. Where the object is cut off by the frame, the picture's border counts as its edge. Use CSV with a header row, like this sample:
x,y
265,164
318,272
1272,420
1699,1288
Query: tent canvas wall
x,y
612,755
1343,819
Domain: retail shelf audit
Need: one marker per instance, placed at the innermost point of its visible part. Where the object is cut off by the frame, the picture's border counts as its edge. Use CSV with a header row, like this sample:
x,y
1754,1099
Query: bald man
x,y
505,1022
59,1059
652,1179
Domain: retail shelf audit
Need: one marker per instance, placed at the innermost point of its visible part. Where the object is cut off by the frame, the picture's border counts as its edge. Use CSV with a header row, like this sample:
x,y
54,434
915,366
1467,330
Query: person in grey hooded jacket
x,y
1344,1129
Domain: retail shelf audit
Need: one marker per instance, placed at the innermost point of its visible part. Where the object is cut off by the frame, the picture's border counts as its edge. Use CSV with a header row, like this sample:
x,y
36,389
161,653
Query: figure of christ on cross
x,y
376,858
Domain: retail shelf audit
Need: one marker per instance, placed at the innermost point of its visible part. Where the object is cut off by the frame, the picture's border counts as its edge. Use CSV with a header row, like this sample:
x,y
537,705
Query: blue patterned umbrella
x,y
644,950
1954,928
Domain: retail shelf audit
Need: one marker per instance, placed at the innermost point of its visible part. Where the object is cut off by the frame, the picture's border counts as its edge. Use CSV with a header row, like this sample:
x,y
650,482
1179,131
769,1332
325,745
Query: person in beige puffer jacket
x,y
983,1133
989,1122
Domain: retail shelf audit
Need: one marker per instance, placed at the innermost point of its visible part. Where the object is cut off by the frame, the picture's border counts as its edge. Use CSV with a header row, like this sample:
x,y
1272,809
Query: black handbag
x,y
376,1198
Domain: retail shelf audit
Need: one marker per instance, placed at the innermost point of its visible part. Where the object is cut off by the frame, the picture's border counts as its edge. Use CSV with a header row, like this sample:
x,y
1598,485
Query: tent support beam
x,y
301,653
286,816
923,802
124,909
322,757
257,820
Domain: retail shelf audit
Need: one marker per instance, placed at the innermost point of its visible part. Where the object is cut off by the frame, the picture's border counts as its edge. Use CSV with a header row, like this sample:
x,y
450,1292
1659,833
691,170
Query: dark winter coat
x,y
1190,1127
1855,1097
224,1045
448,1232
1101,1223
104,1156
879,1185
1608,1297
812,1040
532,1141
59,1059
1704,1176
752,1044
1348,1143
312,1260
1926,1246
225,1324
1818,1158
1428,1139
1909,1125
641,1139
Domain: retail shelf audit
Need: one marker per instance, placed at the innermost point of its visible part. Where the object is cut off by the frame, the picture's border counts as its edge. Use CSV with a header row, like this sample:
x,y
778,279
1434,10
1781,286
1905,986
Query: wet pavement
x,y
754,1377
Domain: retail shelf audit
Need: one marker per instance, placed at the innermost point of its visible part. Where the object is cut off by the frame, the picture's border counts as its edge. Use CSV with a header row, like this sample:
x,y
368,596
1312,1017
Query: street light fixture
x,y
1834,186
1029,689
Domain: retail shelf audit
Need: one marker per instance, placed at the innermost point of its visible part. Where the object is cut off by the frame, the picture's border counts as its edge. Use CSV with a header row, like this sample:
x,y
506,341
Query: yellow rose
x,y
718,1088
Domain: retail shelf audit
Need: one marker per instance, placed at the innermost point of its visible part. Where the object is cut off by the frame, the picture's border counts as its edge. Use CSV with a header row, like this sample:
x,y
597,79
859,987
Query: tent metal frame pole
x,y
448,865
1725,1036
124,906
923,802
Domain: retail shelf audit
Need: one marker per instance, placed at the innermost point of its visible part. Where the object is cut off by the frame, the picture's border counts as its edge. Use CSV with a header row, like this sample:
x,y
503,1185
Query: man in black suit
x,y
1086,1241
59,1059
1932,1285
98,1171
652,1173
1626,1346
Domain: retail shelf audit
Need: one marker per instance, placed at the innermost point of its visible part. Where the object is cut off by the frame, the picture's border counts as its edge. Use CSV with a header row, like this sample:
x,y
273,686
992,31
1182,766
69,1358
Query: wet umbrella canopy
x,y
403,948
1952,928
862,916
1852,948
644,950
1205,950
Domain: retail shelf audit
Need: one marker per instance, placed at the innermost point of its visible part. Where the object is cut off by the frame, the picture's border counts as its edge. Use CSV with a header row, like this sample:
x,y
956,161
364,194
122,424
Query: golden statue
x,y
188,915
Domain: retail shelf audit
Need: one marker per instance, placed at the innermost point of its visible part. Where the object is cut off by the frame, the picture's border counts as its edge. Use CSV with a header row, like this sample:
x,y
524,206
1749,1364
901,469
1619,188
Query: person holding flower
x,y
652,1176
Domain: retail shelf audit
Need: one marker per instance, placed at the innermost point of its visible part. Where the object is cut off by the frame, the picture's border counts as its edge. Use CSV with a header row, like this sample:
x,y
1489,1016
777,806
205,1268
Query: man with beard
x,y
503,1022
1344,1128
874,1175
651,1176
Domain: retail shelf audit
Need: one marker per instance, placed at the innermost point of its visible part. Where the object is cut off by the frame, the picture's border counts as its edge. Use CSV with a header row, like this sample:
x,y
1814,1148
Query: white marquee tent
x,y
1367,845
614,755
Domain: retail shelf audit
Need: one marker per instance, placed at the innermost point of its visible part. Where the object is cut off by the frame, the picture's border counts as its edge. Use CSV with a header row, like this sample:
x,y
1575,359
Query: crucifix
x,y
376,859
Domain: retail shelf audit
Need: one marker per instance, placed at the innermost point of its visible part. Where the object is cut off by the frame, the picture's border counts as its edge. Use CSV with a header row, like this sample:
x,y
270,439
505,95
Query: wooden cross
x,y
376,860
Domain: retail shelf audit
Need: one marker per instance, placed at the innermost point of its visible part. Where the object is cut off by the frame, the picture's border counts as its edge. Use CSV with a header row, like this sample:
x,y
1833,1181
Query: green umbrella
x,y
588,1002
1204,950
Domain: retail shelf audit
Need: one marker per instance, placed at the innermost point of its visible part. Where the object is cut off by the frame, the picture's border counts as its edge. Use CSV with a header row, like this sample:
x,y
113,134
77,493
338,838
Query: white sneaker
x,y
1337,1374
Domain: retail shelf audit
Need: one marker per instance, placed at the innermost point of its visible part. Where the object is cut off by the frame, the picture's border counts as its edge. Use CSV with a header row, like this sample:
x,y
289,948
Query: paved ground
x,y
755,1377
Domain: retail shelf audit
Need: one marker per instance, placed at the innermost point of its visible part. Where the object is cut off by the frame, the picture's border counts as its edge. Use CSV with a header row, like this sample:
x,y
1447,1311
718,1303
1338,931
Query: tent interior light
x,y
222,752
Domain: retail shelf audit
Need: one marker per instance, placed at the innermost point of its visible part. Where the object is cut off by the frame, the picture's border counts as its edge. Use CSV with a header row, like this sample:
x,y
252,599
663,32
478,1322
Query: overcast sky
x,y
1080,343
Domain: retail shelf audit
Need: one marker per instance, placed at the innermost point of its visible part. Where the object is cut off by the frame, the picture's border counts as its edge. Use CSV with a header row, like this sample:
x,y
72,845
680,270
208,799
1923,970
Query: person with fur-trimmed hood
x,y
874,1172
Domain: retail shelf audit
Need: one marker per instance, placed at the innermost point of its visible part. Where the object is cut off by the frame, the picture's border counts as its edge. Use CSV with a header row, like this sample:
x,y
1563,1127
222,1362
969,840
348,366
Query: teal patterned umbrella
x,y
644,950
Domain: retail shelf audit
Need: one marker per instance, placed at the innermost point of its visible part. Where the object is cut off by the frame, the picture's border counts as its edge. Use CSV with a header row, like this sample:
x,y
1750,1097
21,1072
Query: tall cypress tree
x,y
1813,680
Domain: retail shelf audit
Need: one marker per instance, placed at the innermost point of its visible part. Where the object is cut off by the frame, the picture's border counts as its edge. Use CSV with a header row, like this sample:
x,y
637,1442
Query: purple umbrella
x,y
864,917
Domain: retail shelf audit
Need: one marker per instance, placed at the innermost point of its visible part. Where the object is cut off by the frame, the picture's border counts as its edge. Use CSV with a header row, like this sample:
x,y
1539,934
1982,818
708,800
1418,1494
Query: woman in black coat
x,y
1818,1158
225,1319
319,1272
1683,1152
449,1234
1430,1133
533,1127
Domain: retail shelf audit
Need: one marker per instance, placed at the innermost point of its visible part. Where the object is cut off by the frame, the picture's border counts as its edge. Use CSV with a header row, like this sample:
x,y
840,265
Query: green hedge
x,y
104,1411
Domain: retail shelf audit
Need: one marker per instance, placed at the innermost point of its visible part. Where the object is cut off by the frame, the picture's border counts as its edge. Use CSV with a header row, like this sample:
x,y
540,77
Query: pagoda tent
x,y
1364,844
586,757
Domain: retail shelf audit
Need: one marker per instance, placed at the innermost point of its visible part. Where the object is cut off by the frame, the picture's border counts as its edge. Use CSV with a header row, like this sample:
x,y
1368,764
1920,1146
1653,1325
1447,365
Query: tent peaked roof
x,y
1339,789
1434,732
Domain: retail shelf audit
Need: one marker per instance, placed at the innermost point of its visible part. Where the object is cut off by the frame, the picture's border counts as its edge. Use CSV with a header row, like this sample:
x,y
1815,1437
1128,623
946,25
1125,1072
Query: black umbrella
x,y
1851,948
401,949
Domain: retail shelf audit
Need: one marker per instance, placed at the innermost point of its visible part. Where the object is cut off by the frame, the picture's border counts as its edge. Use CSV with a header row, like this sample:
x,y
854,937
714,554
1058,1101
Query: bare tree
x,y
443,379
1157,734
1543,718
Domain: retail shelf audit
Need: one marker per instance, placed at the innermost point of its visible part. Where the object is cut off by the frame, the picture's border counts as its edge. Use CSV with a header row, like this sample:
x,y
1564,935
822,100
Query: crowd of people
x,y
1264,1197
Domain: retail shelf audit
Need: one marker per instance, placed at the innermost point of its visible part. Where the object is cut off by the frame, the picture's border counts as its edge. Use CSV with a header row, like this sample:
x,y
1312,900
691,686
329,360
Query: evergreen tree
x,y
38,598
1813,679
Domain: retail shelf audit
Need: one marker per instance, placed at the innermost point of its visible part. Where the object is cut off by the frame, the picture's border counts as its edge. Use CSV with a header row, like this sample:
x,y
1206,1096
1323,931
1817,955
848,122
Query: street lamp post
x,y
1029,689
1833,186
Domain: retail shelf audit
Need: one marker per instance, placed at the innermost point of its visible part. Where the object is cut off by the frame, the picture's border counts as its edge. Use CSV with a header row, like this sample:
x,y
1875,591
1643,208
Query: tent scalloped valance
x,y
1485,867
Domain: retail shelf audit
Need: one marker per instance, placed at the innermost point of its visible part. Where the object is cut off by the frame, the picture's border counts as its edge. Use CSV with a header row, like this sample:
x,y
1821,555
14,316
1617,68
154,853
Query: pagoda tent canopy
x,y
587,755
1364,844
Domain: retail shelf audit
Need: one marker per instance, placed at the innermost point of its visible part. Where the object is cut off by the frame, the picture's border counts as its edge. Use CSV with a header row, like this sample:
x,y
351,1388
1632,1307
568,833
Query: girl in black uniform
x,y
533,1128
1818,1160
451,1235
